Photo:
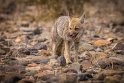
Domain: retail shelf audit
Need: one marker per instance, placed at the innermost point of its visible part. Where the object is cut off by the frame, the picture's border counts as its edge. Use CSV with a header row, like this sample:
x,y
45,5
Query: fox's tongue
x,y
74,35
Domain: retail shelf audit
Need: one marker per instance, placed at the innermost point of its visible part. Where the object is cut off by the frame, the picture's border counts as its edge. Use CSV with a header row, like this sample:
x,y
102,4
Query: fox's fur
x,y
65,32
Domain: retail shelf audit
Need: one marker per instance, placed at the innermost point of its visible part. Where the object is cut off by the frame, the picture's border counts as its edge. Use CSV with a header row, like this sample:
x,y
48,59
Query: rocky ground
x,y
25,47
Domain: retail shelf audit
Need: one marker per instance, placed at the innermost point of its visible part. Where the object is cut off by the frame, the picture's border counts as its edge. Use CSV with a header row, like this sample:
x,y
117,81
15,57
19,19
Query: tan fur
x,y
65,32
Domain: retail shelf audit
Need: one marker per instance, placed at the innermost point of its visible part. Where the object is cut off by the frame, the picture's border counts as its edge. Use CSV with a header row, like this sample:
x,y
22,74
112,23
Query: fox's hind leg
x,y
57,48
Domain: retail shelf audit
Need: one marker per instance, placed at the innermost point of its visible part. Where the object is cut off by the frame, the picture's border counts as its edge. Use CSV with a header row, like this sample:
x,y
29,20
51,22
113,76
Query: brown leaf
x,y
32,65
101,42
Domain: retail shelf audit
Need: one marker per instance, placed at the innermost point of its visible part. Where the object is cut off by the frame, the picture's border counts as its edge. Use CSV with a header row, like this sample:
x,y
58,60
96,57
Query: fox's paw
x,y
68,62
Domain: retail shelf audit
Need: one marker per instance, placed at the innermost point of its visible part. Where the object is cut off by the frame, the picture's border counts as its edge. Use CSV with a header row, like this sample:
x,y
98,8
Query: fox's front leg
x,y
76,46
54,49
67,52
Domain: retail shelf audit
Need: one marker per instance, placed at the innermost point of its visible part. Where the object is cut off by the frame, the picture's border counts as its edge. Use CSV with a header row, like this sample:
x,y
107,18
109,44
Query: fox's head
x,y
75,27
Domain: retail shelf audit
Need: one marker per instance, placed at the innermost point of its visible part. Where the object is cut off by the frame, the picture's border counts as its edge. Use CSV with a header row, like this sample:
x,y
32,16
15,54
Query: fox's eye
x,y
76,28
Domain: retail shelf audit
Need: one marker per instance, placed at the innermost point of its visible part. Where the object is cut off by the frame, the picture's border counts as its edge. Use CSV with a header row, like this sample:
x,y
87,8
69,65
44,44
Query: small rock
x,y
37,31
24,51
33,52
39,46
12,78
28,51
98,49
111,39
69,70
85,76
61,60
100,76
112,79
18,39
25,24
122,80
44,61
53,62
46,67
110,63
54,79
76,66
86,64
44,52
85,56
32,65
119,29
2,52
68,78
111,73
30,73
86,47
118,48
25,81
44,74
35,68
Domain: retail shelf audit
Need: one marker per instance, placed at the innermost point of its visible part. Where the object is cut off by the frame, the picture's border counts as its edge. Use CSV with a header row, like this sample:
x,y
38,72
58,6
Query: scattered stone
x,y
76,66
122,80
42,61
54,79
44,74
68,78
95,56
46,67
53,62
30,73
18,39
24,24
24,51
85,76
39,46
44,52
100,76
25,81
86,64
12,77
37,31
118,48
99,49
111,39
32,65
35,68
110,63
119,29
112,72
69,70
61,60
33,52
2,51
112,79
86,47
85,56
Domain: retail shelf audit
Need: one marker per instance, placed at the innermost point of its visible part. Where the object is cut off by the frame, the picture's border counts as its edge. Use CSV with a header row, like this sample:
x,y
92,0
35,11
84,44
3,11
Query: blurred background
x,y
111,10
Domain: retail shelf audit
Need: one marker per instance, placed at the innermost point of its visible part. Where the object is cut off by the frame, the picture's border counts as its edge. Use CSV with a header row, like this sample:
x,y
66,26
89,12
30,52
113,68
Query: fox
x,y
66,31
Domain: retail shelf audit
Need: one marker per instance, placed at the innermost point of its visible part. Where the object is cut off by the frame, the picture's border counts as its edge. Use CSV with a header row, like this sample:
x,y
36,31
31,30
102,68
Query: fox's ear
x,y
82,18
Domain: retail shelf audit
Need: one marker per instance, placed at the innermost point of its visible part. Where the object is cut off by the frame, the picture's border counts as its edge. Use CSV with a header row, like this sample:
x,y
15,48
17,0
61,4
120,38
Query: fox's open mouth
x,y
74,35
